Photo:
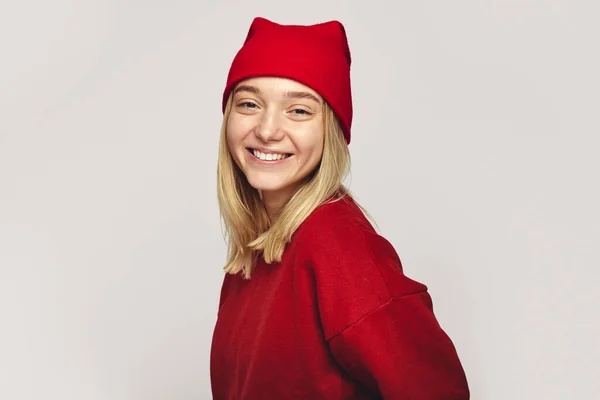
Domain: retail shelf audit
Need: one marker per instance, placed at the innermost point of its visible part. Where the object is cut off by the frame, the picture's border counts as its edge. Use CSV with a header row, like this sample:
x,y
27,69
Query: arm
x,y
399,351
379,324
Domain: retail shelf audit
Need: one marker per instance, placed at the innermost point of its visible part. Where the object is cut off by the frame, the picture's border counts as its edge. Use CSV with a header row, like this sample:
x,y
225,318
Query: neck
x,y
274,201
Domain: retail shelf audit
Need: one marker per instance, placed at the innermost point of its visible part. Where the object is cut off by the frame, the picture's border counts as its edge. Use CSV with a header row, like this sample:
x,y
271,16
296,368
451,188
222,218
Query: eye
x,y
247,104
300,111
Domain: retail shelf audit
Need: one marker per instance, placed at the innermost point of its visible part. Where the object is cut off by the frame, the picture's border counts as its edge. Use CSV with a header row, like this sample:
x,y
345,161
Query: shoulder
x,y
334,219
341,246
354,270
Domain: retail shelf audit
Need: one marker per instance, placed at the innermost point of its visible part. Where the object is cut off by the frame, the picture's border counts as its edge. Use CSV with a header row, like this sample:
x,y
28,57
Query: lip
x,y
268,163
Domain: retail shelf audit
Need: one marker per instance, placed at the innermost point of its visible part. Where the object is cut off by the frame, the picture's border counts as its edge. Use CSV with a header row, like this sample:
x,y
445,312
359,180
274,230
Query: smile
x,y
268,156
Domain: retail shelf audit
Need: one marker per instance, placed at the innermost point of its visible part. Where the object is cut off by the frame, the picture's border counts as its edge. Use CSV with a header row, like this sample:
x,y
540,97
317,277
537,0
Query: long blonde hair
x,y
243,213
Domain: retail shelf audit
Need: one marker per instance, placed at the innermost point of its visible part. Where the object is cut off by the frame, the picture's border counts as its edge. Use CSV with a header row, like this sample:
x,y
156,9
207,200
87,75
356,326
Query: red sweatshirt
x,y
335,319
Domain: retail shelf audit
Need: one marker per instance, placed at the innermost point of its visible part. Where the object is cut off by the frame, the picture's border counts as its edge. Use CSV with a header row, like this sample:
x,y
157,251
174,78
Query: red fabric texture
x,y
317,56
336,319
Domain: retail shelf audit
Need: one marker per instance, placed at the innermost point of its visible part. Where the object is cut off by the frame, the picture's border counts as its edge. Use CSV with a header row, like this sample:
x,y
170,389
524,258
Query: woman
x,y
314,304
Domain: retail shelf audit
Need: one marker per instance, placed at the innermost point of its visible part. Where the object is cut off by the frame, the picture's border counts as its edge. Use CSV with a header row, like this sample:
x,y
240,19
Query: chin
x,y
269,186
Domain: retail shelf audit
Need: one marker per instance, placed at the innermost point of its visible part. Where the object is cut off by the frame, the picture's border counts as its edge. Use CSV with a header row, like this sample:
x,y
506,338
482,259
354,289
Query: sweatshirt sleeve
x,y
399,351
379,324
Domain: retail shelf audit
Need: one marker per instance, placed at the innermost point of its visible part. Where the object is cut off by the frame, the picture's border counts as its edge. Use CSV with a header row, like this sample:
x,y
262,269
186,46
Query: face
x,y
275,133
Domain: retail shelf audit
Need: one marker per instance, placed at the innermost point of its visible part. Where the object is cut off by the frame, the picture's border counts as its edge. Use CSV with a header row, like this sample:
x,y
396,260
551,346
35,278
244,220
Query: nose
x,y
269,127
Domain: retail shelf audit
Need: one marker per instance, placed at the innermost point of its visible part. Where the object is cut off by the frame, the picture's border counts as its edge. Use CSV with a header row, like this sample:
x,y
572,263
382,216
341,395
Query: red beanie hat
x,y
314,55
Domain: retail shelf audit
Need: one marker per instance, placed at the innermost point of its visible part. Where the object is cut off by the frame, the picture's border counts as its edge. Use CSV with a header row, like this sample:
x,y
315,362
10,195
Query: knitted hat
x,y
314,55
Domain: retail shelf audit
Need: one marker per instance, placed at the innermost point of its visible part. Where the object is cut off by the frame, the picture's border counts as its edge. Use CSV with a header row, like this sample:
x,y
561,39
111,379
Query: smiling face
x,y
275,134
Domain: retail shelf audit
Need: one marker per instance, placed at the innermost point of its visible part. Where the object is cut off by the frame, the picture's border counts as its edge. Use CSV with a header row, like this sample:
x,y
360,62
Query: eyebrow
x,y
302,95
291,94
247,88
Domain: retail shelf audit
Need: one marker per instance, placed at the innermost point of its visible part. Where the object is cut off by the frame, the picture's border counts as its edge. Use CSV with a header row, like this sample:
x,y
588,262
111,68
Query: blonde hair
x,y
243,213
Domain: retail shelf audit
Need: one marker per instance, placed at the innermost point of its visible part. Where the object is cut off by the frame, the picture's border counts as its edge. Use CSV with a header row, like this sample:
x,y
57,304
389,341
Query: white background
x,y
475,147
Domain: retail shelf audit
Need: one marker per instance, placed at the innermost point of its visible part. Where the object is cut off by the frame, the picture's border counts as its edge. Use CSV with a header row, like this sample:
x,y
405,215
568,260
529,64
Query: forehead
x,y
276,86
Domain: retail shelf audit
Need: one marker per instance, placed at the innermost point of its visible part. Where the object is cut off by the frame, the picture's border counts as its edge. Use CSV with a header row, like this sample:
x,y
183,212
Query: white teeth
x,y
268,157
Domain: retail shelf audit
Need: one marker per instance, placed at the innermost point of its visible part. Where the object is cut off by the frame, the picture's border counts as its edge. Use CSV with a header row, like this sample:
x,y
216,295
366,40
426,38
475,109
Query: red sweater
x,y
336,319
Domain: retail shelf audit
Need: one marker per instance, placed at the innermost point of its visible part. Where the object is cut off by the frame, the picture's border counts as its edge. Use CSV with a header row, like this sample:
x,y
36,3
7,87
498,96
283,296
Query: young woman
x,y
314,304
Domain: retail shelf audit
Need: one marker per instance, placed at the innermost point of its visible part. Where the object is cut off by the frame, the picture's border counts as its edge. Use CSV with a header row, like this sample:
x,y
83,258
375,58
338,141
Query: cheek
x,y
310,144
235,132
232,130
240,123
233,138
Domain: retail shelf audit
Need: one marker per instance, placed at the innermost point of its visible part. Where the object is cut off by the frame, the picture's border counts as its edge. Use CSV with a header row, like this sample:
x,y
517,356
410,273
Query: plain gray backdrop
x,y
475,147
